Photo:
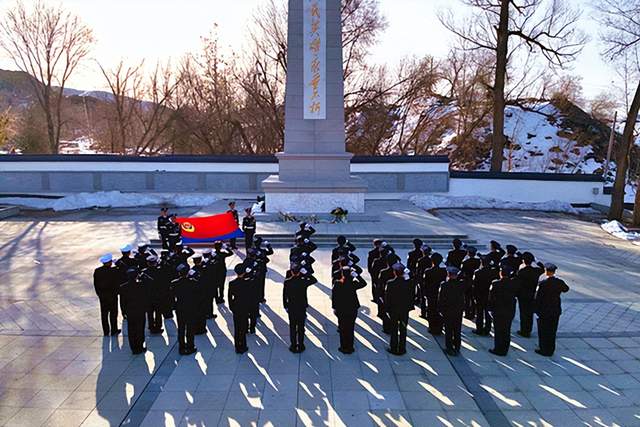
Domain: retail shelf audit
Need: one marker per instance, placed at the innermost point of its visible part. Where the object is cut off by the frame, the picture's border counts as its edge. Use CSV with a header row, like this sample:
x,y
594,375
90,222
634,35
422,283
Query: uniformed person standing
x,y
163,229
151,278
220,254
424,263
345,304
529,276
167,274
451,306
502,304
106,282
384,267
249,228
496,253
136,303
199,275
513,258
412,264
548,306
263,252
174,232
305,231
398,302
469,266
433,278
344,248
295,302
240,305
184,289
482,280
372,256
232,210
124,264
456,255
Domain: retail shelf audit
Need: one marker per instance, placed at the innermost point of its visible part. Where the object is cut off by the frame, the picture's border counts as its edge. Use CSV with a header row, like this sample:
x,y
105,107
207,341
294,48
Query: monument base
x,y
310,197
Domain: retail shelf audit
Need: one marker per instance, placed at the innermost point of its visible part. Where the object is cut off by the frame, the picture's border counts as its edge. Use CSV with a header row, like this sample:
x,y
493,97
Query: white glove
x,y
247,270
406,277
225,246
303,271
350,263
354,274
407,271
306,227
304,263
266,242
306,240
304,254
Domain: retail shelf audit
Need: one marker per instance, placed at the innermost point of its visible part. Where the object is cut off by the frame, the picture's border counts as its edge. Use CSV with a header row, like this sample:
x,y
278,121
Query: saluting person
x,y
295,302
240,304
136,303
398,302
186,295
163,229
249,228
549,309
529,276
234,212
345,304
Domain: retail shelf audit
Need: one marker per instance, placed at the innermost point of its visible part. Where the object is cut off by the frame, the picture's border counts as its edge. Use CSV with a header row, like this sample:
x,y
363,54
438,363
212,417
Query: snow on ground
x,y
443,202
111,199
620,231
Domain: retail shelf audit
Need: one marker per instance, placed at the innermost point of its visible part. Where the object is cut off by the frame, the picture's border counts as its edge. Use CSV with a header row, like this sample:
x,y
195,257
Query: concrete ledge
x,y
8,211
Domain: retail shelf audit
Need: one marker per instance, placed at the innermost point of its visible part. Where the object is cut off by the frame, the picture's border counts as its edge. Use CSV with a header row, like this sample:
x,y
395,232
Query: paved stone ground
x,y
56,369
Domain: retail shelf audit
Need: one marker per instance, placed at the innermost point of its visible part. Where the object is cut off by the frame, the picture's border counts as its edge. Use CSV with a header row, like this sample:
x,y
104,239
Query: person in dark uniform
x,y
513,258
295,302
482,280
345,304
252,273
183,253
123,264
496,252
451,306
184,289
167,275
106,282
163,229
469,266
384,266
372,256
412,264
174,232
303,245
136,303
340,263
306,231
208,282
199,275
151,278
423,264
220,254
548,307
263,252
456,255
502,304
433,278
232,210
529,276
249,228
240,304
344,248
398,302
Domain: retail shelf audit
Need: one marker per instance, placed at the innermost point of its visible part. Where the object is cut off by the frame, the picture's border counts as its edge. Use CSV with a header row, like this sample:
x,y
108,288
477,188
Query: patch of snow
x,y
111,199
428,202
620,231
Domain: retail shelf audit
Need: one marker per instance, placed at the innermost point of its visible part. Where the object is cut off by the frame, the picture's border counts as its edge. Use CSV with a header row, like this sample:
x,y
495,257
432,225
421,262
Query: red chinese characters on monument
x,y
315,53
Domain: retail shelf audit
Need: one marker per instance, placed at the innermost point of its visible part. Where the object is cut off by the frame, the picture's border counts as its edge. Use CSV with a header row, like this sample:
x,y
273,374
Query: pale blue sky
x,y
162,29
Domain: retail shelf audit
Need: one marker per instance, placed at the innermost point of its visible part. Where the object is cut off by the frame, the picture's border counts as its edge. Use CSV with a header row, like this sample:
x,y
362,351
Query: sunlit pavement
x,y
57,369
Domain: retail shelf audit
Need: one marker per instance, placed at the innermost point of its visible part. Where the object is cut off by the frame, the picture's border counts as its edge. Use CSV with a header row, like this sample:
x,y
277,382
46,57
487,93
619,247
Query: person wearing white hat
x,y
123,264
106,285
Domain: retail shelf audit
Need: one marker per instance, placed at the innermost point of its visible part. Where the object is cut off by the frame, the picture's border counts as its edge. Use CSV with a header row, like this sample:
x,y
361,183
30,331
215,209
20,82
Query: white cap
x,y
106,258
126,248
207,251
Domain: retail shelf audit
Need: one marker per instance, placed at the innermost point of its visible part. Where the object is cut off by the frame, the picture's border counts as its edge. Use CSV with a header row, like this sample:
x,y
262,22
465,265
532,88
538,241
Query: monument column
x,y
314,169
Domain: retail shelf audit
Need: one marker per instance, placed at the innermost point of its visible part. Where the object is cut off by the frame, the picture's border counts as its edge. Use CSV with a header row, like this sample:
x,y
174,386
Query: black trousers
x,y
165,240
547,329
248,240
296,329
525,305
210,296
398,326
253,319
154,318
453,330
135,330
346,326
123,306
219,287
433,315
186,339
502,332
240,326
469,303
483,318
109,315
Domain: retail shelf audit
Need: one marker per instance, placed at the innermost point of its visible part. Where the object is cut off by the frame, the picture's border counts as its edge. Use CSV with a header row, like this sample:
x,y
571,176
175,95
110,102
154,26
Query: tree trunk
x,y
636,205
622,159
502,48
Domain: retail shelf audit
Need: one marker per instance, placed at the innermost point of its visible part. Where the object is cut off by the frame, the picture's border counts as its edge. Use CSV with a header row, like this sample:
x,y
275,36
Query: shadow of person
x,y
113,397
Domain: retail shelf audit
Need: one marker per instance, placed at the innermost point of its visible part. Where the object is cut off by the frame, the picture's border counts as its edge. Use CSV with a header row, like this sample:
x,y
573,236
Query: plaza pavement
x,y
57,370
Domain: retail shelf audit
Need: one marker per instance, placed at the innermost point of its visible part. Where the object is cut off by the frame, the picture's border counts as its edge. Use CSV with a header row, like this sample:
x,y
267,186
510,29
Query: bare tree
x,y
505,27
603,106
48,43
621,34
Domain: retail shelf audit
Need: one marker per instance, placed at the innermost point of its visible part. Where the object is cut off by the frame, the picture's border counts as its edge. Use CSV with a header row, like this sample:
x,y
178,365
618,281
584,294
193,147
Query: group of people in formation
x,y
465,284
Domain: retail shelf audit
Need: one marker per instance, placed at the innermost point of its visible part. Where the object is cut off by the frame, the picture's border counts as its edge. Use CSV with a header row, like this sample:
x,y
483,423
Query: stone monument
x,y
314,169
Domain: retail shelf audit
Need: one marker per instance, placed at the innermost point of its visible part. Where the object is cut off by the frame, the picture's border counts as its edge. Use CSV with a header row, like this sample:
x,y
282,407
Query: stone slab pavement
x,y
56,369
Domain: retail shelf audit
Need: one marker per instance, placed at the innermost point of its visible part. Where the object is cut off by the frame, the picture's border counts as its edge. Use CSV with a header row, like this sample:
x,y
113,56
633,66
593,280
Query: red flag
x,y
208,229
